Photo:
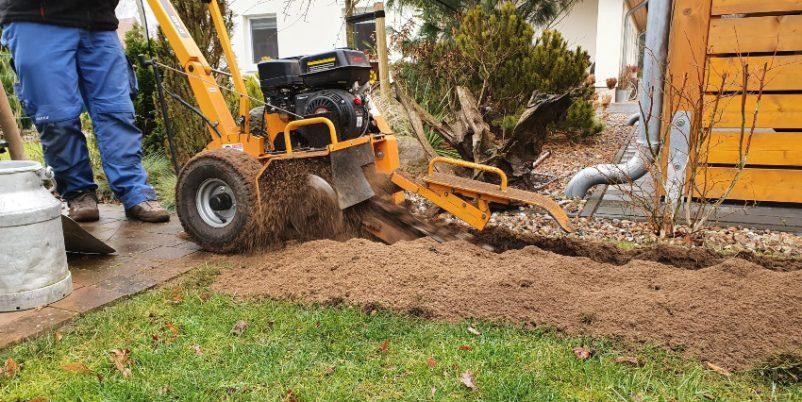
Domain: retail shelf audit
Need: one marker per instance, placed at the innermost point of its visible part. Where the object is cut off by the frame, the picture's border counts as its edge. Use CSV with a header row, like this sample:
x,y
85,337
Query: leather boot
x,y
83,208
148,211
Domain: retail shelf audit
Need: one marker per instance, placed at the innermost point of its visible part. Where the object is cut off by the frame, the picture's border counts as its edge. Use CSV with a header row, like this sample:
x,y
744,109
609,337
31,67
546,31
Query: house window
x,y
365,36
364,32
264,38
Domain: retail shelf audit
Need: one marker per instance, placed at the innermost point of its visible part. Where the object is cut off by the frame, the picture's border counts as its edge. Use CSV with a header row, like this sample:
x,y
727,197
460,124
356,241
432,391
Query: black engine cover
x,y
345,110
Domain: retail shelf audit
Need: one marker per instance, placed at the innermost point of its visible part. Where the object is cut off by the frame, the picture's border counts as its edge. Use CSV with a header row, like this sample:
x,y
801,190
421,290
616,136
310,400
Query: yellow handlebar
x,y
470,165
308,122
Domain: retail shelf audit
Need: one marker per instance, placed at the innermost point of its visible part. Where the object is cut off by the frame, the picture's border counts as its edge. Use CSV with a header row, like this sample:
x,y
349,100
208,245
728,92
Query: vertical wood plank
x,y
687,54
687,59
383,53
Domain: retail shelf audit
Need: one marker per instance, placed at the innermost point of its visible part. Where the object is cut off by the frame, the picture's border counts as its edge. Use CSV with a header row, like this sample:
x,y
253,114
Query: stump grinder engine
x,y
316,158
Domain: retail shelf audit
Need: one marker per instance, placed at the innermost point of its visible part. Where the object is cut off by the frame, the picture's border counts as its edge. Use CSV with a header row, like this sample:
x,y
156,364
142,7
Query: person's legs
x,y
45,61
104,80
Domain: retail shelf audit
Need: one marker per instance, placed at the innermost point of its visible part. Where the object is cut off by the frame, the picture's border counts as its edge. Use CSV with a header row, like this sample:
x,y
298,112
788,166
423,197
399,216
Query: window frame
x,y
248,28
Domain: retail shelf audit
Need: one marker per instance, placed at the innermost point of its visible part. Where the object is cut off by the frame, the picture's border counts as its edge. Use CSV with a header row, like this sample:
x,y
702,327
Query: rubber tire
x,y
238,170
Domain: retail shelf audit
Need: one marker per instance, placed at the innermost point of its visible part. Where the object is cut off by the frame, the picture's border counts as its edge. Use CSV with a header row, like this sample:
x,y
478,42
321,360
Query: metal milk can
x,y
33,262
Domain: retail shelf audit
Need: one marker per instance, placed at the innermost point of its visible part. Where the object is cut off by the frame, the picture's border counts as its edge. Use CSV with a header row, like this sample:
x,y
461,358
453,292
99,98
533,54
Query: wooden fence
x,y
712,42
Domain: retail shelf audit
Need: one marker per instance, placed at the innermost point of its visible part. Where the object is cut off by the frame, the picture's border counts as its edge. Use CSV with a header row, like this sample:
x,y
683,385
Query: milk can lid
x,y
8,167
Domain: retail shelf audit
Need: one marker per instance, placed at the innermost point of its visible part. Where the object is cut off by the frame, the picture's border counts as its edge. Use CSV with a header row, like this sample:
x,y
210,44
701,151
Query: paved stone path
x,y
147,255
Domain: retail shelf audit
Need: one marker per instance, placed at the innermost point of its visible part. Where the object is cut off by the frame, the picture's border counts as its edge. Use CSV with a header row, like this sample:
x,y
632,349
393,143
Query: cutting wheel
x,y
297,201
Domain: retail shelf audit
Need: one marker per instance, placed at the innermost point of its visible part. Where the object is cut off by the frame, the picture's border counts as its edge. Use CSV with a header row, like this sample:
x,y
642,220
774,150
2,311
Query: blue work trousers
x,y
63,71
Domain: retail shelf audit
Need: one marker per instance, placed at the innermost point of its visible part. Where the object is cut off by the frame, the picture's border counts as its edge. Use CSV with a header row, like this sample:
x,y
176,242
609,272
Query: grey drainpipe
x,y
658,25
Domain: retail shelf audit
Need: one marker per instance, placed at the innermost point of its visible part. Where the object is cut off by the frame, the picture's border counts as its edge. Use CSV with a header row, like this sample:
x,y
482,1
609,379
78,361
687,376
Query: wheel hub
x,y
215,203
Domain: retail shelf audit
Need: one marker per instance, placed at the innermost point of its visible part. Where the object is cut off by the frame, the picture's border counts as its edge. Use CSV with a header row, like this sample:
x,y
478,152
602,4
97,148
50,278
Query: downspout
x,y
658,24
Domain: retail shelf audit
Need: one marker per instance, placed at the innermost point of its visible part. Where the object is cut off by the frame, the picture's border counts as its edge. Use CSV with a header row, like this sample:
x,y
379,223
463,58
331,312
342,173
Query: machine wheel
x,y
216,199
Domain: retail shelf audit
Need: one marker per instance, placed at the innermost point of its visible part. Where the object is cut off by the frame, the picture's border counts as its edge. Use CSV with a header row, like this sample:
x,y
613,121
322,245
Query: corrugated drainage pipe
x,y
651,104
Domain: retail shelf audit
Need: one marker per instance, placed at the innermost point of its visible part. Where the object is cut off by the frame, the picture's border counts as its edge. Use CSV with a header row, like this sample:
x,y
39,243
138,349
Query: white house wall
x,y
316,29
609,39
579,26
598,27
301,30
595,25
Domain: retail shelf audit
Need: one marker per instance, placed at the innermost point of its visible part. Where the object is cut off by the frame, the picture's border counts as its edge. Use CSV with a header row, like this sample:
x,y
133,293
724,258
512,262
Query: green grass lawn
x,y
32,150
182,348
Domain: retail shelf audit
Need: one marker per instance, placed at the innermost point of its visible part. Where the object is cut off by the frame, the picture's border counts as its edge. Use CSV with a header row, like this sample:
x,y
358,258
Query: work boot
x,y
83,208
148,211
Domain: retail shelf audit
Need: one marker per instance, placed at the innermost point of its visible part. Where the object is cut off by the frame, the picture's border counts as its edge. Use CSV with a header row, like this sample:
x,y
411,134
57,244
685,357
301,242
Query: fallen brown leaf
x,y
431,362
172,329
39,399
10,368
385,346
76,367
434,390
197,350
465,347
57,336
290,397
329,370
718,369
120,359
239,327
474,331
630,360
467,380
176,296
582,353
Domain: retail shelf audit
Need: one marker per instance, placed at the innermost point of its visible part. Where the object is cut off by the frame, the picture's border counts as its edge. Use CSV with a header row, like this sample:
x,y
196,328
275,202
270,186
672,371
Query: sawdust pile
x,y
290,209
734,313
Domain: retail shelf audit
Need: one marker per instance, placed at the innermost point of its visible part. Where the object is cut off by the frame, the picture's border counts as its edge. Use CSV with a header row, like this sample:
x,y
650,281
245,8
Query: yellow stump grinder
x,y
311,157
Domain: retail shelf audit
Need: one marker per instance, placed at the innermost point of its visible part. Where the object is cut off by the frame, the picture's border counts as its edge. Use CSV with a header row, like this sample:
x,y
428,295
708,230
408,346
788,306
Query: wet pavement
x,y
147,255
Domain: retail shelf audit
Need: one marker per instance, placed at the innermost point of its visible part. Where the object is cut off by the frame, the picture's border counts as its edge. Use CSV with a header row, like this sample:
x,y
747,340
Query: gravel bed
x,y
568,158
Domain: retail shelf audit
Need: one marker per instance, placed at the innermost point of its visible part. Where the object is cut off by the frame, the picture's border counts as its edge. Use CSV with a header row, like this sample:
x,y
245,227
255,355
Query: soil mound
x,y
734,313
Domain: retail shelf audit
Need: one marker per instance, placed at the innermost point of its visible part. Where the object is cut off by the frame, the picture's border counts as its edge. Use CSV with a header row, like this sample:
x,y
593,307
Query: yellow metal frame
x,y
204,85
231,60
473,208
308,122
476,213
470,165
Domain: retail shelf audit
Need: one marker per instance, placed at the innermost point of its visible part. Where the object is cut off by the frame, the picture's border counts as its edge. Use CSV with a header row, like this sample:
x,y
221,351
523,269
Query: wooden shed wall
x,y
764,38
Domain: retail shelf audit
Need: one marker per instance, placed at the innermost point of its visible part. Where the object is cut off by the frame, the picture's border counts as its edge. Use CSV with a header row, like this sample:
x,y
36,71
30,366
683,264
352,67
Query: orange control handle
x,y
308,122
470,165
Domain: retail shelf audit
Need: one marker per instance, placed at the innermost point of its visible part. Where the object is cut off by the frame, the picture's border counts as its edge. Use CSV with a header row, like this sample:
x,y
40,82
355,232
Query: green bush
x,y
8,78
581,121
254,90
493,53
556,67
145,102
161,177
